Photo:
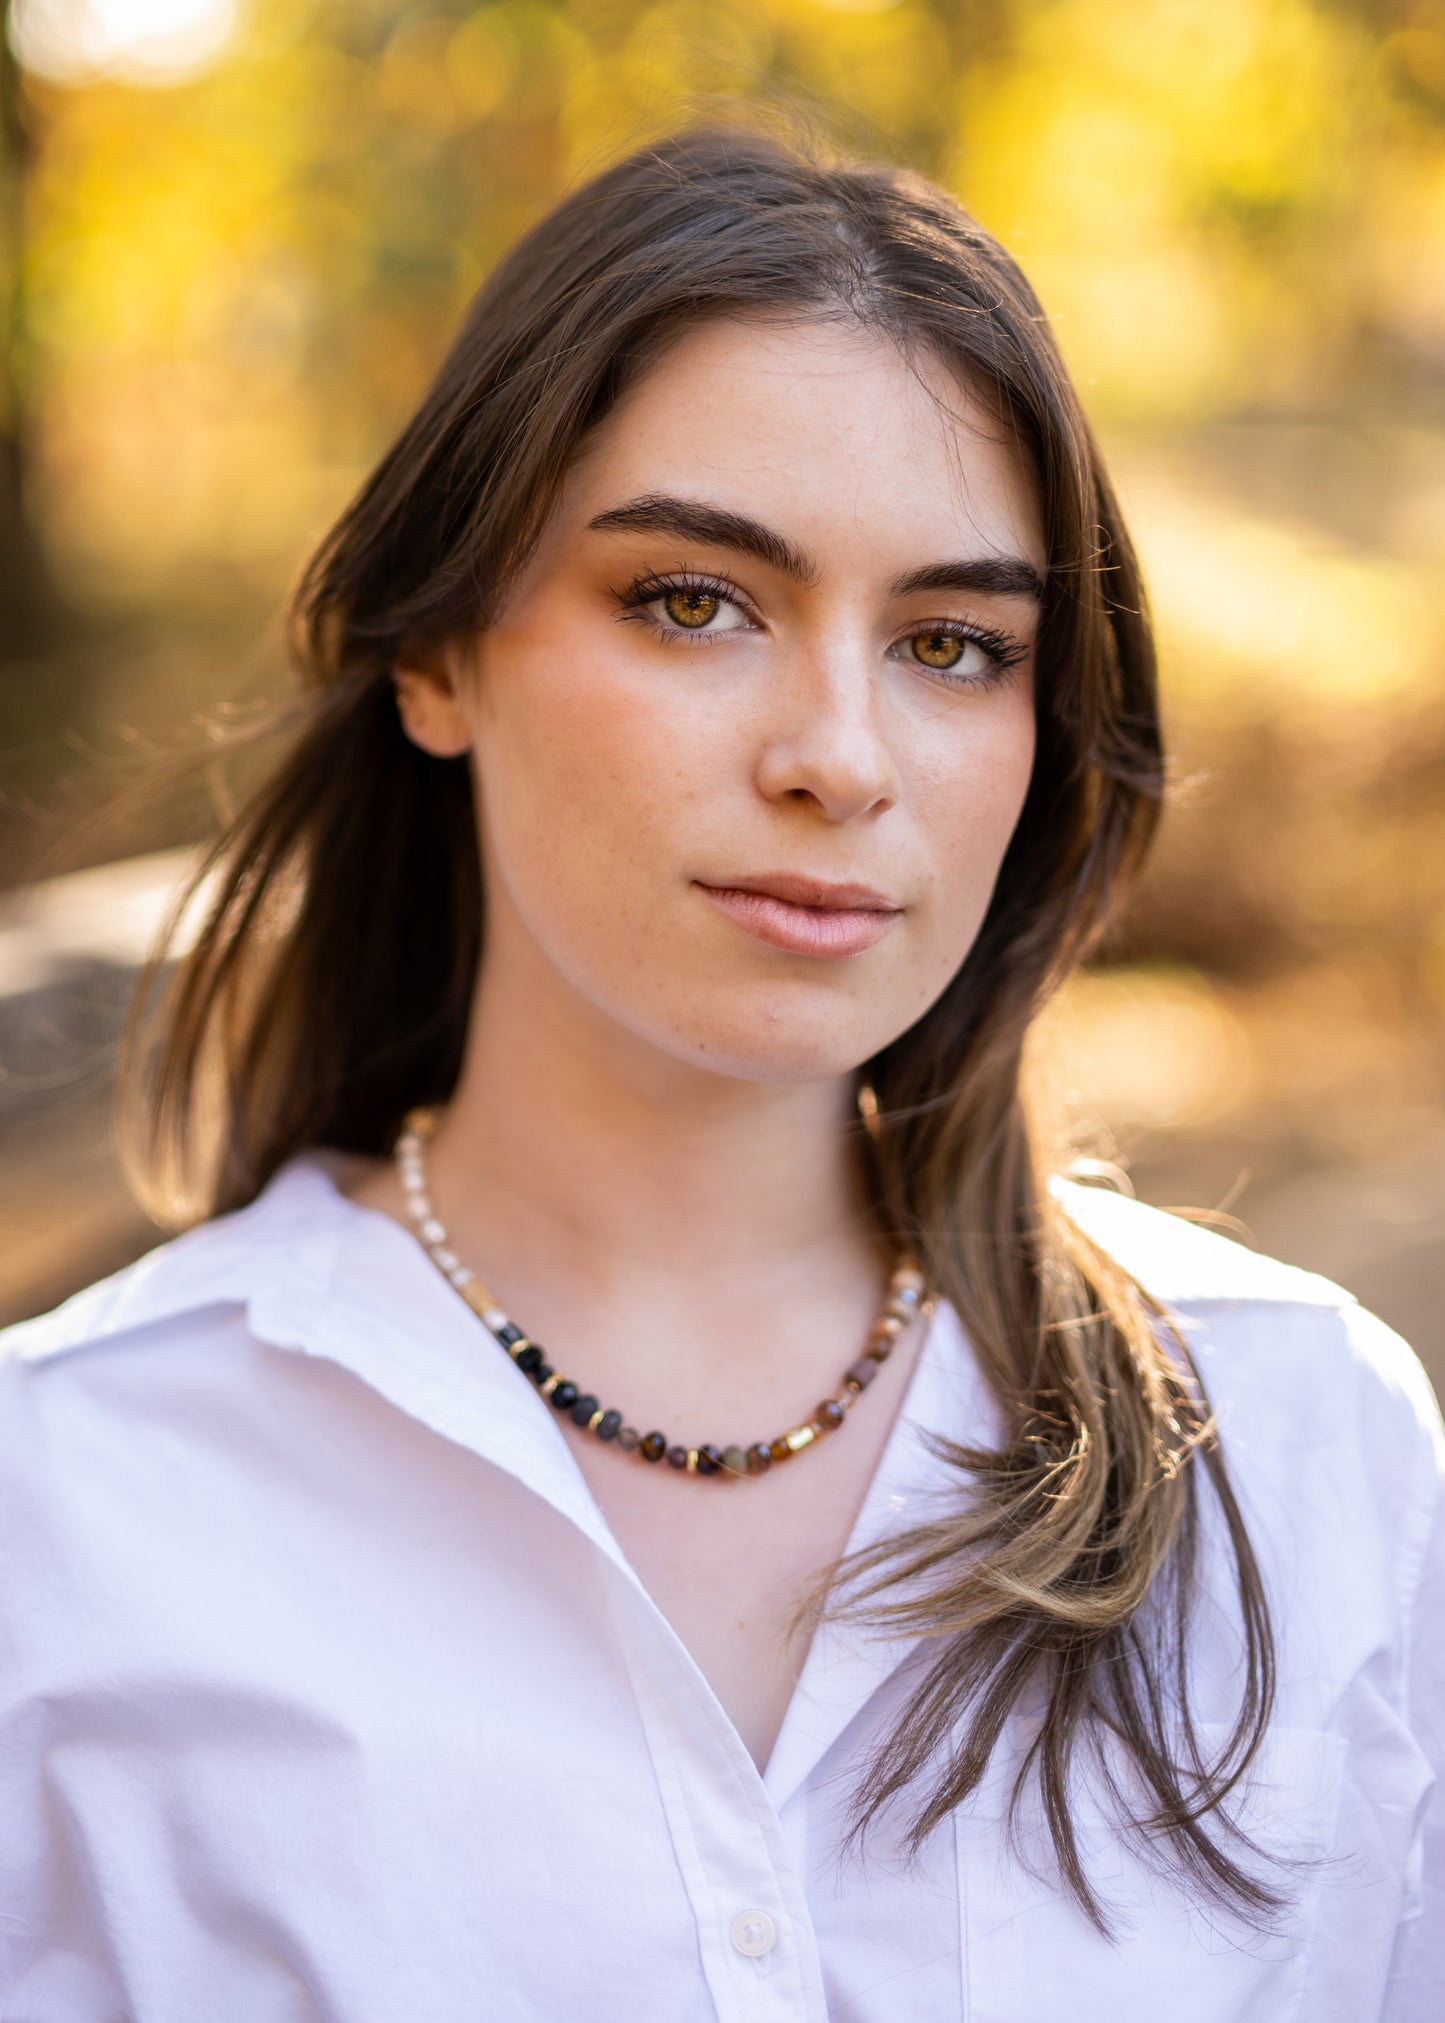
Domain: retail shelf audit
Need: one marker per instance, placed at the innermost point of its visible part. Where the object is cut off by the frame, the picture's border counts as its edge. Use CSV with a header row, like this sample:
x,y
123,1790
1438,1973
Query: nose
x,y
824,740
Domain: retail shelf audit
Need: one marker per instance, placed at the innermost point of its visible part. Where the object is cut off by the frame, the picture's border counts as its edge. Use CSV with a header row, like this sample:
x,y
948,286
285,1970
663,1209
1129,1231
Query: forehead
x,y
822,430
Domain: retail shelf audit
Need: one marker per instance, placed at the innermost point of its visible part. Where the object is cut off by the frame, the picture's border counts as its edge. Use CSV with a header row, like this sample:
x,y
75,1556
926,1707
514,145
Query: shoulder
x,y
1271,1319
1314,1395
105,1382
264,1254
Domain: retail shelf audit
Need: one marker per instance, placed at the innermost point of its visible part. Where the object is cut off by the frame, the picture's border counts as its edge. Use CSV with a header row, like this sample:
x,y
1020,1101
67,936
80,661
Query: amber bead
x,y
760,1458
829,1414
677,1457
629,1439
862,1372
709,1459
779,1450
652,1446
735,1461
564,1397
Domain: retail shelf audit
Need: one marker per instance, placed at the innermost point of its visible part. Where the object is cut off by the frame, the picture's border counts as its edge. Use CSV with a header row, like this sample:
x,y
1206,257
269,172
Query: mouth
x,y
805,916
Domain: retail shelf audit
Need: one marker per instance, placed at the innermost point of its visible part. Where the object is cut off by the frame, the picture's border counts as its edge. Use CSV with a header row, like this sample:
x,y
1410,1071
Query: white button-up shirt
x,y
326,1693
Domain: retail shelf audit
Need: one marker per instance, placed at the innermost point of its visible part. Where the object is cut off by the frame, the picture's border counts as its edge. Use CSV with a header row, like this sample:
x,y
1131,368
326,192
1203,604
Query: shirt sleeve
x,y
1416,1988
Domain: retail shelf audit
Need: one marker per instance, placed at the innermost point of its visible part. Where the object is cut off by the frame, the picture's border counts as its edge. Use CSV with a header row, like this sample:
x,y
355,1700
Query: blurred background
x,y
235,236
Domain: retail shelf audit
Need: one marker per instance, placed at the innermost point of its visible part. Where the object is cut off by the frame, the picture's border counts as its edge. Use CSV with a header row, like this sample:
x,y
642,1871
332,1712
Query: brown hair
x,y
329,989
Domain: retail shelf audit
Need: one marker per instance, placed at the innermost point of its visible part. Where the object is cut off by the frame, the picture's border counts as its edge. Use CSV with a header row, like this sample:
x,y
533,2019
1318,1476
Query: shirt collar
x,y
320,1275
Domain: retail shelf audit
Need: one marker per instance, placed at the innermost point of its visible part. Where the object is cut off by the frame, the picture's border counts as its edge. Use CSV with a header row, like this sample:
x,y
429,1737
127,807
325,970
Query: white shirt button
x,y
754,1933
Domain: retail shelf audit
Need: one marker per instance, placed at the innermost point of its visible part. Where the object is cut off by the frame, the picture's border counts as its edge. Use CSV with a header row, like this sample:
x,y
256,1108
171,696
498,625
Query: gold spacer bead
x,y
551,1383
692,1460
515,1348
596,1420
800,1437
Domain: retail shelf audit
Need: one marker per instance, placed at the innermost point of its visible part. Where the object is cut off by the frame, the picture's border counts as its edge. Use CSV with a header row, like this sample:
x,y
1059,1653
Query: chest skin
x,y
731,1564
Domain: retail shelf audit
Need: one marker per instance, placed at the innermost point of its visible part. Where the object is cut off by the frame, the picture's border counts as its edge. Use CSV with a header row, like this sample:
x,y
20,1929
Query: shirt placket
x,y
755,1936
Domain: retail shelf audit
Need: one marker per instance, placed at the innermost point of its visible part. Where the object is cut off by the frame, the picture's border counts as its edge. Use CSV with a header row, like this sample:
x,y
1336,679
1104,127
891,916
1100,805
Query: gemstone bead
x,y
677,1457
779,1450
829,1414
542,1372
582,1408
509,1334
529,1359
735,1461
652,1446
861,1373
609,1426
709,1459
629,1439
564,1397
760,1458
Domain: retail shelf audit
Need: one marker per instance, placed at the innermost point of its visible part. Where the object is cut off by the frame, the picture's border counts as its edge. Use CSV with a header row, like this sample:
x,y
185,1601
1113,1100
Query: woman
x,y
642,1498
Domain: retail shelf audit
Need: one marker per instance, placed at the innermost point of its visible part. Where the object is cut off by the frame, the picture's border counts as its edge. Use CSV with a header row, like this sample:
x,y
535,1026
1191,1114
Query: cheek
x,y
585,771
970,793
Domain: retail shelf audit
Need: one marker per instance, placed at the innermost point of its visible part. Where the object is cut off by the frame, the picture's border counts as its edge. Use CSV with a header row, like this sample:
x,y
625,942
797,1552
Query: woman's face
x,y
755,724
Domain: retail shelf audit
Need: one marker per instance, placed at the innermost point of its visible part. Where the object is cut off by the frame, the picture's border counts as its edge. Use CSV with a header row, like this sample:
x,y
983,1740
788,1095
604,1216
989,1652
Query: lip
x,y
805,916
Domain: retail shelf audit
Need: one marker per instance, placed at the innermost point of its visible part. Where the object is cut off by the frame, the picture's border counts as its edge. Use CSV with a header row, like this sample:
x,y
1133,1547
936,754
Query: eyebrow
x,y
695,520
993,575
692,520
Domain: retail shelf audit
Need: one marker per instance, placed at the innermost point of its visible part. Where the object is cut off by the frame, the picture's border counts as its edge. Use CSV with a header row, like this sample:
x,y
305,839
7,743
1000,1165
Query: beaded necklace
x,y
905,1302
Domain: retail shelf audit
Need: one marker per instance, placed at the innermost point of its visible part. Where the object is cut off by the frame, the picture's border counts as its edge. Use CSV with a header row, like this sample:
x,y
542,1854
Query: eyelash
x,y
1001,647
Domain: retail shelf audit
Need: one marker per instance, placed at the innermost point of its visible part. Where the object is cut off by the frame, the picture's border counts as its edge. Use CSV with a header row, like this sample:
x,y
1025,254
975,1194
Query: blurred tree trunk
x,y
32,614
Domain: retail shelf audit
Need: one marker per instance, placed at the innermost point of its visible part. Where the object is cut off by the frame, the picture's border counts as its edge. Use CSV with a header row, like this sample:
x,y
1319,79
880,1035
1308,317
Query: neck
x,y
570,1139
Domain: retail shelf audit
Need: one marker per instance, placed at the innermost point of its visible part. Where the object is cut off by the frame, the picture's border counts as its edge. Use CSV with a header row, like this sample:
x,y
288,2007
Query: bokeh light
x,y
141,41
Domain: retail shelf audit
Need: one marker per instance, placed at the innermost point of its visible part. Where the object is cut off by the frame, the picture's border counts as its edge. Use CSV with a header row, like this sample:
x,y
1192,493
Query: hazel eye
x,y
956,655
939,649
692,609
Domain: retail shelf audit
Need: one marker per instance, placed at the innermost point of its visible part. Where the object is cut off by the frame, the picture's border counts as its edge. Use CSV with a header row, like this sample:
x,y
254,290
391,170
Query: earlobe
x,y
431,716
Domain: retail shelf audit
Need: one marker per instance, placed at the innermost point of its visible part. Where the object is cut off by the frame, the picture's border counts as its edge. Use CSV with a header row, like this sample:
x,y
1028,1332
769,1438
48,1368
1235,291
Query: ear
x,y
431,716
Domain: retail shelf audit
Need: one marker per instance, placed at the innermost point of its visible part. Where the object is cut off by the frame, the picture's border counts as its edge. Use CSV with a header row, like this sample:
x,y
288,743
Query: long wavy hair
x,y
329,988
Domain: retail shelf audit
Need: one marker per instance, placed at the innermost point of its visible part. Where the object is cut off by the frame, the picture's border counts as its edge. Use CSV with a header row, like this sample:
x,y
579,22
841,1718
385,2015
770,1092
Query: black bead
x,y
509,1333
529,1359
583,1409
652,1446
609,1426
542,1372
677,1457
564,1397
709,1459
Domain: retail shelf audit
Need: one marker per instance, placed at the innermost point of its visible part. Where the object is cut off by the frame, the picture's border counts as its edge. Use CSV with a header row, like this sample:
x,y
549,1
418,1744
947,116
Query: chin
x,y
780,1044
